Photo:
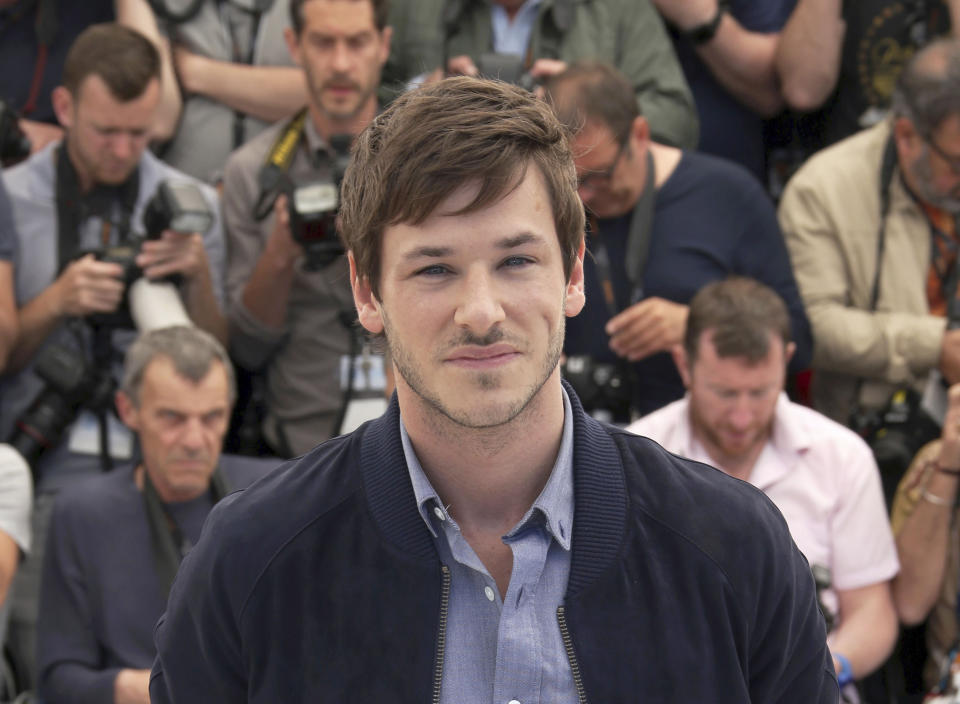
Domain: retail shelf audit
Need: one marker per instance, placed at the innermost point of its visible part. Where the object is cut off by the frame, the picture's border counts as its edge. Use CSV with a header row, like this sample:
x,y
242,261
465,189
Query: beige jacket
x,y
830,215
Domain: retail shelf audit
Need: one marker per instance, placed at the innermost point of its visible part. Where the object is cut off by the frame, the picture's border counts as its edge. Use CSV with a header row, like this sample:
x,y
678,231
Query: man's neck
x,y
665,161
487,477
327,126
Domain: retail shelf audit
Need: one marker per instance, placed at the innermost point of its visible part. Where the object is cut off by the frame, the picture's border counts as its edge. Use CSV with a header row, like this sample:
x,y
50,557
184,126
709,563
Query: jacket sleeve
x,y
896,347
646,57
68,653
789,662
251,342
199,650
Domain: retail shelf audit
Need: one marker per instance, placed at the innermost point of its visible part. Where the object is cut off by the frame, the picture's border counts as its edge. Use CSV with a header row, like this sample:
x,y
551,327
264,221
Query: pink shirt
x,y
821,476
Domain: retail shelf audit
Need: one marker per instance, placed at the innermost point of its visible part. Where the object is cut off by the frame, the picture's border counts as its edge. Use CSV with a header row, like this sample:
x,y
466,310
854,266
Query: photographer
x,y
291,315
664,223
871,227
506,38
925,523
86,194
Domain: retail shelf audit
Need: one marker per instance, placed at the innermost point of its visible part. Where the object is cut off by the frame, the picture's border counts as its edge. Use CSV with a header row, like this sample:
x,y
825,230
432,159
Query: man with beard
x,y
820,474
871,227
485,540
291,311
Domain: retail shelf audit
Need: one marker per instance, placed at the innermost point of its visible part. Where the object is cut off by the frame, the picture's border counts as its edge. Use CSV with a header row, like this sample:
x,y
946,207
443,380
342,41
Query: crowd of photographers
x,y
172,169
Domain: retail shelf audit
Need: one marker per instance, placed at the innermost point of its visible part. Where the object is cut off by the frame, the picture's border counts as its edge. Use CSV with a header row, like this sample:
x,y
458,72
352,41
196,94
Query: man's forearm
x,y
922,545
868,629
37,319
269,93
202,307
743,63
267,292
808,55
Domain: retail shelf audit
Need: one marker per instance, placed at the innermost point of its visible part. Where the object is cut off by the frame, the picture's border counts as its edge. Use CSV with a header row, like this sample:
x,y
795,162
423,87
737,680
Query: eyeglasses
x,y
595,179
952,161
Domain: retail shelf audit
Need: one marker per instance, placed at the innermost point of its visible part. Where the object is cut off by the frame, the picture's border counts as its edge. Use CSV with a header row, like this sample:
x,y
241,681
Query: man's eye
x,y
433,270
517,261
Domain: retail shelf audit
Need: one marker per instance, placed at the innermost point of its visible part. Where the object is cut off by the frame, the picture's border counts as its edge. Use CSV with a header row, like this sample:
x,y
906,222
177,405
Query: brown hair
x,y
381,9
433,140
592,91
742,313
125,59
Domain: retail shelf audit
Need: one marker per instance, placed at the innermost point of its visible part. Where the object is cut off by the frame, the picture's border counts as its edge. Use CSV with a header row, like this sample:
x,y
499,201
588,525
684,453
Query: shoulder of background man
x,y
32,181
849,168
698,174
247,159
98,499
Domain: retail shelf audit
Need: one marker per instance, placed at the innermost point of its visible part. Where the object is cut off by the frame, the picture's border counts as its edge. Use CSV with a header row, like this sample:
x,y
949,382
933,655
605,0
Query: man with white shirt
x,y
820,475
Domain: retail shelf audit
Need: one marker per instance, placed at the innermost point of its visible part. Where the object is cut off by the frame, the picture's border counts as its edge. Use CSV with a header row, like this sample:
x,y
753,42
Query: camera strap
x,y
275,166
73,206
167,542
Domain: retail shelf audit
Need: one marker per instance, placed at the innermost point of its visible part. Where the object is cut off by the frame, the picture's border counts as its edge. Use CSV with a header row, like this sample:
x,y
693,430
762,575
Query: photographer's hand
x,y
652,325
184,254
462,66
86,286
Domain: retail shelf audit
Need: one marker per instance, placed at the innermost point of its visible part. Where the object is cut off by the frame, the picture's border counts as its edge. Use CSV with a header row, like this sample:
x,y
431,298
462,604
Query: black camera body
x,y
602,387
895,434
14,144
507,68
313,208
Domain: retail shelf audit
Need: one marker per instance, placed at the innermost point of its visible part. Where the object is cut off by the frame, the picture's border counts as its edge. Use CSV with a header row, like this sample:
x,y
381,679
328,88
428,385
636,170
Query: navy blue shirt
x,y
711,220
19,50
728,128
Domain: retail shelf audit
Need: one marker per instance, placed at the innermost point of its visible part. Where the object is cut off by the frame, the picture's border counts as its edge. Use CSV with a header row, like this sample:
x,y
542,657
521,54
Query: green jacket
x,y
626,33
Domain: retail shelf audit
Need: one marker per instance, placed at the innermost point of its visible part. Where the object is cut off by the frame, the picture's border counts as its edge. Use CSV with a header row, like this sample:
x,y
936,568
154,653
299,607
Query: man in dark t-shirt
x,y
116,540
703,219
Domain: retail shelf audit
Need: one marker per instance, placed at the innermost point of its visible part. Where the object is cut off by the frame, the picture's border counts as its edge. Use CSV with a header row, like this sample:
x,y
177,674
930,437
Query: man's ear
x,y
127,411
368,307
576,298
62,102
788,352
683,363
293,44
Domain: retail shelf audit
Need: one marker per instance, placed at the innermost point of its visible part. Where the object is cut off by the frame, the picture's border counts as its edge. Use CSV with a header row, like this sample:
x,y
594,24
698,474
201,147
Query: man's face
x,y
181,425
473,305
612,173
932,165
105,136
342,53
732,401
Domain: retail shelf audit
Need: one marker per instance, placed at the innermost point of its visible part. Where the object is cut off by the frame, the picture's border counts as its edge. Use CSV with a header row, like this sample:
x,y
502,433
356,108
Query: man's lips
x,y
486,356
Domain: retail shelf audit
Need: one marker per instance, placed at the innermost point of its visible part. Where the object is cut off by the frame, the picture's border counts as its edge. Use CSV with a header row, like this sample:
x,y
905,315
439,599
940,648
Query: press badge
x,y
85,436
369,378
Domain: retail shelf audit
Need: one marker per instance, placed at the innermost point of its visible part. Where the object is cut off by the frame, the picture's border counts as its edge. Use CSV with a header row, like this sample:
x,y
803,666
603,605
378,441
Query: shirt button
x,y
438,512
491,596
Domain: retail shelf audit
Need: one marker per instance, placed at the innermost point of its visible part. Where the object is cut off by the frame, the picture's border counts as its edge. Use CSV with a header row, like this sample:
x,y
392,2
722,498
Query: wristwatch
x,y
703,33
845,676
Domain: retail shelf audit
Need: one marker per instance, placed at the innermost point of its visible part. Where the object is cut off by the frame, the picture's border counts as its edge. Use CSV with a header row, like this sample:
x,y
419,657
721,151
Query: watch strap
x,y
703,33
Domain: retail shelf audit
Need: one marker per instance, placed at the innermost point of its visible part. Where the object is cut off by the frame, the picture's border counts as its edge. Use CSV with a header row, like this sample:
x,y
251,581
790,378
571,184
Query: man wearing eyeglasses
x,y
871,228
663,223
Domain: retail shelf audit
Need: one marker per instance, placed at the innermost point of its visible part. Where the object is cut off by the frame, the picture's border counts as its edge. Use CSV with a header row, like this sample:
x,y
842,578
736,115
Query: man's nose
x,y
341,58
121,146
193,436
479,308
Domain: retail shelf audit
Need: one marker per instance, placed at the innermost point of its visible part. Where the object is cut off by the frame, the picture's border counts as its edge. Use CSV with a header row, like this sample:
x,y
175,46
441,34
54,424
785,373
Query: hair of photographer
x,y
741,313
381,10
593,91
927,91
191,350
403,168
125,60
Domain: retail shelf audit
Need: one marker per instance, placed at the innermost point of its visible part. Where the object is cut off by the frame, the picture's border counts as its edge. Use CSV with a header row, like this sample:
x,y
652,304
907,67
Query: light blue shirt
x,y
506,650
513,37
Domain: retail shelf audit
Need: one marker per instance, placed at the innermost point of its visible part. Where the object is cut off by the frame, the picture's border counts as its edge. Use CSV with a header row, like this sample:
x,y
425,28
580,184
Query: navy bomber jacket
x,y
320,583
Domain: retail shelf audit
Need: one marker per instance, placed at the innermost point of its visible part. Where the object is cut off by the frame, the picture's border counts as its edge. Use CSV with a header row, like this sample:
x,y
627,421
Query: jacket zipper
x,y
441,633
571,655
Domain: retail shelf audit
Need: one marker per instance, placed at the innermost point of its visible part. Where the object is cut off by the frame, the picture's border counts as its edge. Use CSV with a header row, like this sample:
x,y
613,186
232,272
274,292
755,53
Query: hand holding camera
x,y
89,286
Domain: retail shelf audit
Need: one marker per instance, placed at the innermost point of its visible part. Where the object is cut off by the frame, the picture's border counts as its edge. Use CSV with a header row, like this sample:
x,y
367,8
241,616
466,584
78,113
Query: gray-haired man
x,y
116,540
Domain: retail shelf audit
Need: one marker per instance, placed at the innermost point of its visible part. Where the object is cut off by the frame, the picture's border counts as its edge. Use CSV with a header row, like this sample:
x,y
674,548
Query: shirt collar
x,y
555,502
